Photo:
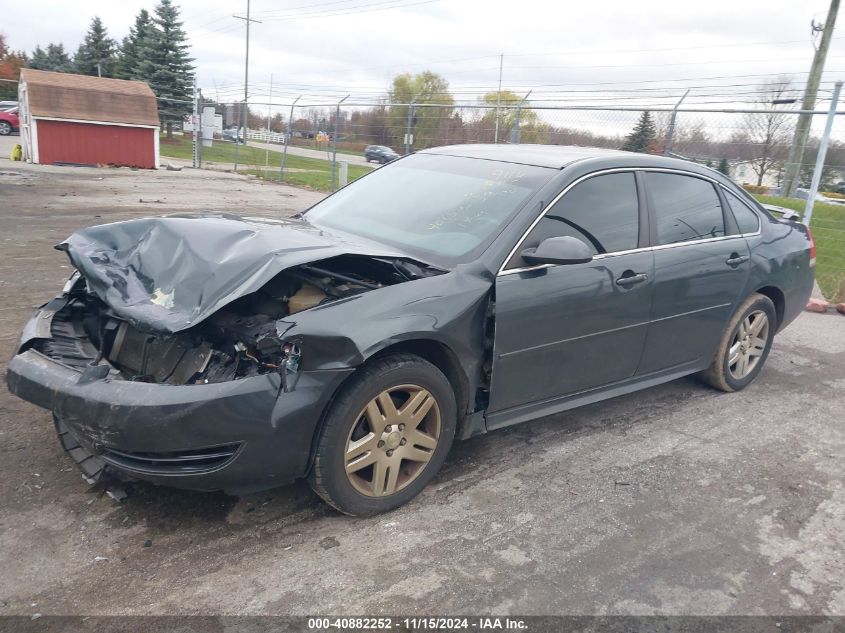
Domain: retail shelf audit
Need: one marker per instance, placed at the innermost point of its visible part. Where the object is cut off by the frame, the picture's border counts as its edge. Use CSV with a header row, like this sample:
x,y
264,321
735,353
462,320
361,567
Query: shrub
x,y
758,189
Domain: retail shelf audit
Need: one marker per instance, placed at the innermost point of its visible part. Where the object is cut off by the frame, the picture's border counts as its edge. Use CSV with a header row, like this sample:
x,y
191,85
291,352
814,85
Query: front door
x,y
564,329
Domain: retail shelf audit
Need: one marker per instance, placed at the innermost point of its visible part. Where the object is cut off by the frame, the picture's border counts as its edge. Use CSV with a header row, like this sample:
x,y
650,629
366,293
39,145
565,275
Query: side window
x,y
685,208
602,212
746,219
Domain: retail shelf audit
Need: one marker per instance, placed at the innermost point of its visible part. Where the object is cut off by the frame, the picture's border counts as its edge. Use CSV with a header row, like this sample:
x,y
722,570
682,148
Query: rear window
x,y
685,208
746,218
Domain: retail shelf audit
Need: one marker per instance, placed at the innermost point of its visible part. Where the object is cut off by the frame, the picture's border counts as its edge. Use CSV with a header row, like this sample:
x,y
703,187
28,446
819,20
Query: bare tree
x,y
767,133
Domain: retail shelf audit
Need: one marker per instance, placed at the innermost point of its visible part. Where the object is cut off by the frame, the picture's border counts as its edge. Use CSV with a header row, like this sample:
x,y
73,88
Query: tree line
x,y
155,51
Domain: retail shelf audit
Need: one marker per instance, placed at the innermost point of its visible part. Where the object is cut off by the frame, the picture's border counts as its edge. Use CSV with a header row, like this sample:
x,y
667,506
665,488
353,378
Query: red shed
x,y
87,120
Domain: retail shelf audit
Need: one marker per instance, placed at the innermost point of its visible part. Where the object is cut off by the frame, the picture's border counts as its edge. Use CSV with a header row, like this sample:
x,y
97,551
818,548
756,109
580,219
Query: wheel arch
x,y
435,352
777,297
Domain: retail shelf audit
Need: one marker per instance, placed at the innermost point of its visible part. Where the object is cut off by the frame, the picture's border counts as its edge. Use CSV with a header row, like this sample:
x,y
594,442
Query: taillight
x,y
812,248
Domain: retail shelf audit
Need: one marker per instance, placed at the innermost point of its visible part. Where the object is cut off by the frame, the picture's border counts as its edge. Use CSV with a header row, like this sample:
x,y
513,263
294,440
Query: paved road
x,y
678,499
352,159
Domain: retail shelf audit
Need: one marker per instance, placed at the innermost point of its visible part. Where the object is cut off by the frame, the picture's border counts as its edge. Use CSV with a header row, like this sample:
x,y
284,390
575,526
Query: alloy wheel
x,y
748,344
392,440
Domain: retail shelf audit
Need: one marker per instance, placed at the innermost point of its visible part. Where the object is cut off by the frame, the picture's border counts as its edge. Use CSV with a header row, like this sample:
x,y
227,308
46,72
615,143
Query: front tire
x,y
385,436
5,128
744,346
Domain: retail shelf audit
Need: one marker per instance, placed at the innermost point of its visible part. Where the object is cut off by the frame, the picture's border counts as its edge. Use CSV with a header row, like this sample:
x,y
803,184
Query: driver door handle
x,y
630,280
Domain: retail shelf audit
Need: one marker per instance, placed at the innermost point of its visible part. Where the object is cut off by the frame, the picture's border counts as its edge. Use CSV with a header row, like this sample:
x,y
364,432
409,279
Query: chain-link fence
x,y
323,146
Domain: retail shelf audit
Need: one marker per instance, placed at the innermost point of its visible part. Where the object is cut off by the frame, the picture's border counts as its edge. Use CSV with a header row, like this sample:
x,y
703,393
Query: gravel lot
x,y
675,500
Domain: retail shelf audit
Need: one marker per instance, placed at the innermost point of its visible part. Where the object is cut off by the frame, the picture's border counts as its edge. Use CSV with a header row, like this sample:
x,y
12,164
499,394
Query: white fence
x,y
265,136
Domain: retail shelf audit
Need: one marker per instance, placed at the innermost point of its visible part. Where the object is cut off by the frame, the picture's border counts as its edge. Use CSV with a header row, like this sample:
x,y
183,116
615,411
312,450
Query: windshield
x,y
444,208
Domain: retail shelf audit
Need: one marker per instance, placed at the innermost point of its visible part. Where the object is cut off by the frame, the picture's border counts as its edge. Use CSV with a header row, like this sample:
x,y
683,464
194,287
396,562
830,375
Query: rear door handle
x,y
736,260
630,280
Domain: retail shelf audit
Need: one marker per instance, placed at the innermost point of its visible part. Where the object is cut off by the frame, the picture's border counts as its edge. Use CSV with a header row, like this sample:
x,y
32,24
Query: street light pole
x,y
670,131
287,140
334,139
499,97
516,133
269,114
817,172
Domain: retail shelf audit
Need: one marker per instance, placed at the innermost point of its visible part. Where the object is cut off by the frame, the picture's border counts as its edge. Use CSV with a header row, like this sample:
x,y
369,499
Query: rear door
x,y
562,329
701,265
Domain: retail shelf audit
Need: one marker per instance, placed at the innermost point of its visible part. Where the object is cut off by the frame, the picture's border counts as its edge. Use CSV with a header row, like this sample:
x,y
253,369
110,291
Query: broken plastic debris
x,y
118,494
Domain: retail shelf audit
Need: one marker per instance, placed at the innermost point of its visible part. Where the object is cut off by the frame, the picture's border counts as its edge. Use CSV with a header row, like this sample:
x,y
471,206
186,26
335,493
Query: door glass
x,y
746,219
602,212
685,208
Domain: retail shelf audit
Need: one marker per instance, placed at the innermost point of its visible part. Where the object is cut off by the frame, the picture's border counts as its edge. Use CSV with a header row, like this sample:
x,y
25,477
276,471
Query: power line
x,y
393,4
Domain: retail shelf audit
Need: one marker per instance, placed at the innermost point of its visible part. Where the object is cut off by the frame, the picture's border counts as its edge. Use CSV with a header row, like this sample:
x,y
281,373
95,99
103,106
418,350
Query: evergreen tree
x,y
166,66
129,60
97,53
724,167
38,59
54,59
643,135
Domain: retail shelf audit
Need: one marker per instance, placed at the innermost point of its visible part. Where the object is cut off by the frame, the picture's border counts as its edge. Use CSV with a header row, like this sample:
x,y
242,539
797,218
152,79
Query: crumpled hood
x,y
168,274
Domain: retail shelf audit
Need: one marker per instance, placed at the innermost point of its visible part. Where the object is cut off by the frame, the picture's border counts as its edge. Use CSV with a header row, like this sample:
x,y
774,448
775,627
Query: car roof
x,y
561,156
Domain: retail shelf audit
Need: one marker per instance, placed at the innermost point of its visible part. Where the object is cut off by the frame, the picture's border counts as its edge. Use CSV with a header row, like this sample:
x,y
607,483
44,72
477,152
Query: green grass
x,y
317,180
828,226
308,144
252,159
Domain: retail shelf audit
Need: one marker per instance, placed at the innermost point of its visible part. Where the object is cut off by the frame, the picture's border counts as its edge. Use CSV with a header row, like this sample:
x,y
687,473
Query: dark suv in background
x,y
380,154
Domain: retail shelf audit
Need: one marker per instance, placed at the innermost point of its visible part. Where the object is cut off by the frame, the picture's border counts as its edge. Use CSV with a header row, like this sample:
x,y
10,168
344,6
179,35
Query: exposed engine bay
x,y
239,340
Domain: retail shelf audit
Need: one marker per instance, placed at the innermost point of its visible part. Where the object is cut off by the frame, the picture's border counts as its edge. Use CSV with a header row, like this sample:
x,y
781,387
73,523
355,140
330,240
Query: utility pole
x,y
499,97
244,118
802,128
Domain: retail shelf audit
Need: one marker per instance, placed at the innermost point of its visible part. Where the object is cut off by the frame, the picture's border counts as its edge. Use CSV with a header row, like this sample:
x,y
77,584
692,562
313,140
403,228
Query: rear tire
x,y
744,346
5,128
385,436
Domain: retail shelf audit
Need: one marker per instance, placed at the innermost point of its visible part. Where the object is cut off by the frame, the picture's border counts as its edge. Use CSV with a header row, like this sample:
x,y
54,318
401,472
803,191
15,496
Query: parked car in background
x,y
379,153
232,135
8,105
9,121
459,290
802,193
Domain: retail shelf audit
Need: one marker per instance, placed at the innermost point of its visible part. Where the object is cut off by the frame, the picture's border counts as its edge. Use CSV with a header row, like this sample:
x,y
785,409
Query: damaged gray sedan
x,y
452,292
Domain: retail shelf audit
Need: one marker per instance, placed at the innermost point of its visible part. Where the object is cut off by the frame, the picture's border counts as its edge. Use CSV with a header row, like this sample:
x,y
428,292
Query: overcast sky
x,y
647,52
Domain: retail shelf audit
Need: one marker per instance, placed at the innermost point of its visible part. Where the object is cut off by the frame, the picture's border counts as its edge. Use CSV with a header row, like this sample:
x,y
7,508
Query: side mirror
x,y
559,250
